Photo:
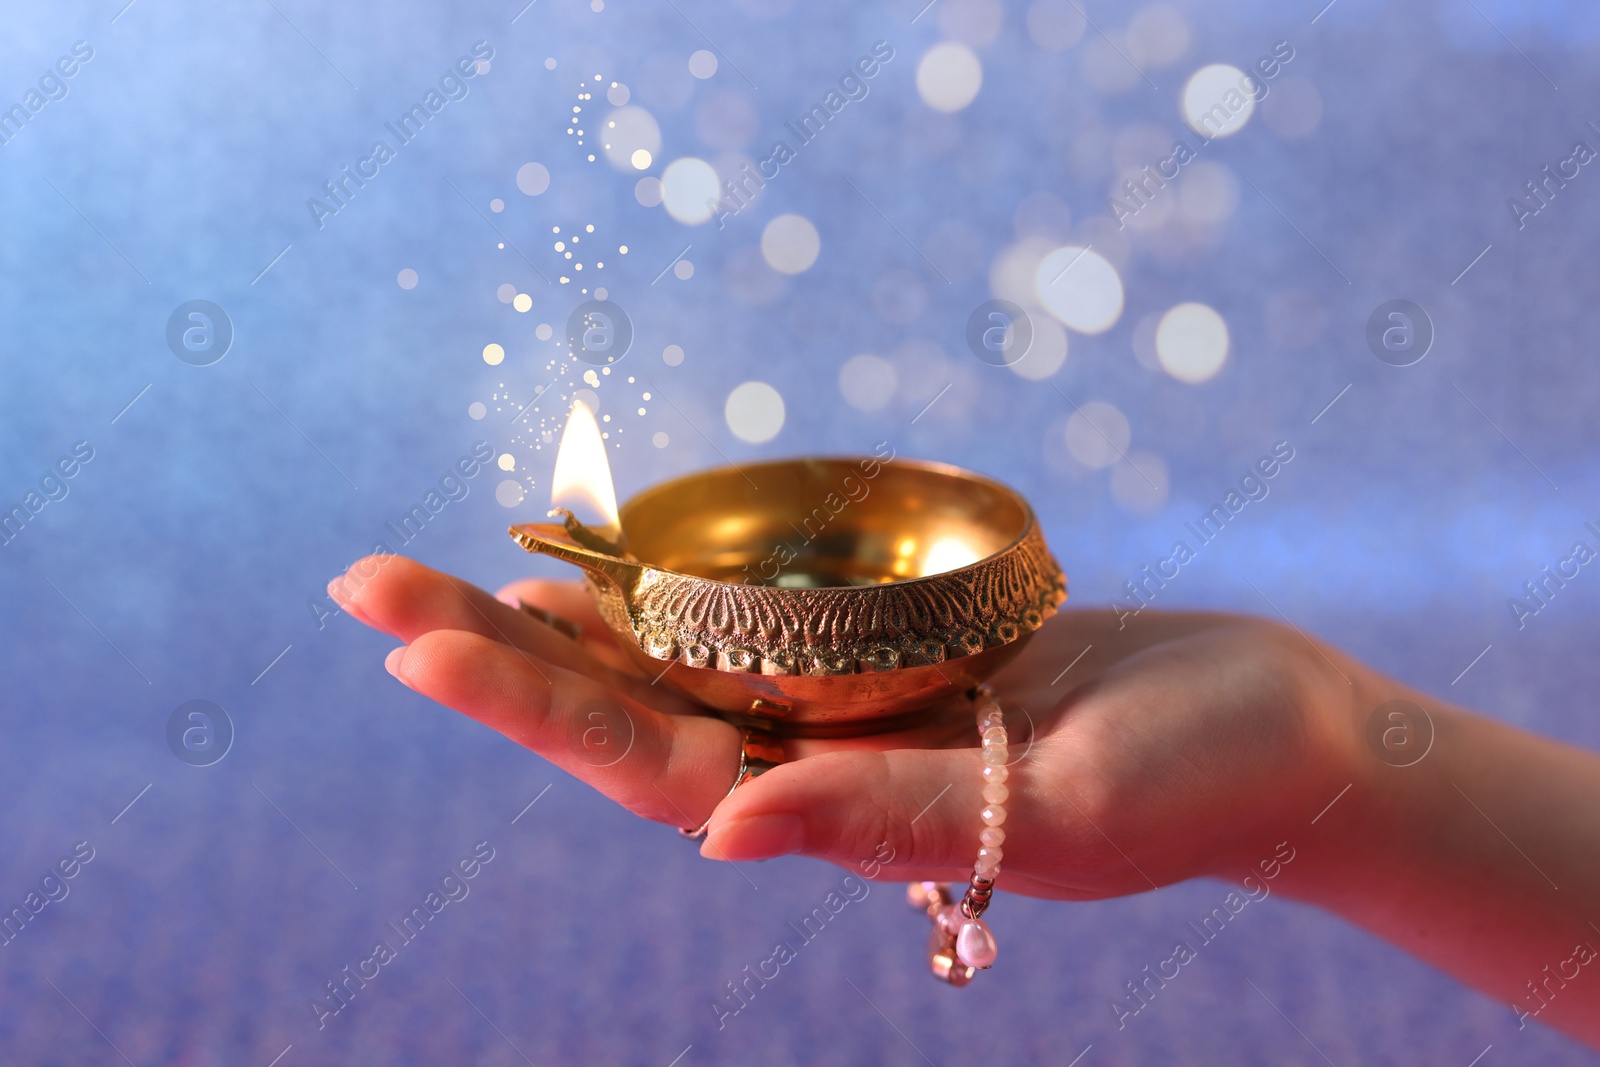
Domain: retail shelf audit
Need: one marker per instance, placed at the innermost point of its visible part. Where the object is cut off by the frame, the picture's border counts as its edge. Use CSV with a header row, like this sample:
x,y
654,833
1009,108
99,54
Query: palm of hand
x,y
1141,755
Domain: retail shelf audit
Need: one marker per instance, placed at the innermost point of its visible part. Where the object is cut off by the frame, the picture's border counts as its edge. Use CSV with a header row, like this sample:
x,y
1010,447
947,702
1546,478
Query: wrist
x,y
1393,750
1343,805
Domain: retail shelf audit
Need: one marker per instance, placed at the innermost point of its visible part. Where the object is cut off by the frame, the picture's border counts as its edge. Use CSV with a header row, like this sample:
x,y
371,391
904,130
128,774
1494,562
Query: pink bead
x,y
994,736
994,815
975,945
990,857
995,793
994,775
992,836
994,756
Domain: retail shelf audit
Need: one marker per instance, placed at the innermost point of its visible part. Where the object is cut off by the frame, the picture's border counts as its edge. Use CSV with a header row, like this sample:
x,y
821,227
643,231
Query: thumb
x,y
917,810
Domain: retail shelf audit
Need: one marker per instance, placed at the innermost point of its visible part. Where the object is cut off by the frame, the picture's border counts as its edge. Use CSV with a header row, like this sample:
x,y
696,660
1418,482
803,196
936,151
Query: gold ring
x,y
759,752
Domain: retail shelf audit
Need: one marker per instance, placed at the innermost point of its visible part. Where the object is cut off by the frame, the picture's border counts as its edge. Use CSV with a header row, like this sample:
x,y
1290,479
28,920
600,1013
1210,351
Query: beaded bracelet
x,y
962,943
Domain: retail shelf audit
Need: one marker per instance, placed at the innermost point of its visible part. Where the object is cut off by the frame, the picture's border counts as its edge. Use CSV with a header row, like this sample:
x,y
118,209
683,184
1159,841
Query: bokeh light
x,y
1158,36
754,412
1293,108
1144,342
1046,354
648,191
949,76
703,64
689,189
533,178
1097,434
1079,287
790,244
628,130
867,382
1217,100
1192,342
509,493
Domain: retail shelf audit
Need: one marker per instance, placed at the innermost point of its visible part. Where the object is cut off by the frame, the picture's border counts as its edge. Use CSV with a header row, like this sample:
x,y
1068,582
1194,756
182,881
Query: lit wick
x,y
581,489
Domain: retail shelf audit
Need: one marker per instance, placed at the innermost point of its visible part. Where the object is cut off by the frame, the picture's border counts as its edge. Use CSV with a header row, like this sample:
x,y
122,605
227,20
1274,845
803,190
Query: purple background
x,y
183,559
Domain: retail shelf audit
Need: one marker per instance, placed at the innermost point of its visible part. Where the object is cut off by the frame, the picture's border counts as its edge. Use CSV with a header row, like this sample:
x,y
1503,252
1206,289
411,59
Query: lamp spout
x,y
590,549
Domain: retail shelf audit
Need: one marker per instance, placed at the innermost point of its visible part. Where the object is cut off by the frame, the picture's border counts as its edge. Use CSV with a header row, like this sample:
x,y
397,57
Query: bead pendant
x,y
942,957
975,945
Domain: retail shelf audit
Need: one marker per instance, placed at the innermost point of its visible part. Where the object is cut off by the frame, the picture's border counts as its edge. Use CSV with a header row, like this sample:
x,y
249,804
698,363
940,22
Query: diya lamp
x,y
818,597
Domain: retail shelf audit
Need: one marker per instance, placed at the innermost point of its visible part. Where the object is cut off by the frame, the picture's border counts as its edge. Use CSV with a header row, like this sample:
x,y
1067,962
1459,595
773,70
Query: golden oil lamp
x,y
819,596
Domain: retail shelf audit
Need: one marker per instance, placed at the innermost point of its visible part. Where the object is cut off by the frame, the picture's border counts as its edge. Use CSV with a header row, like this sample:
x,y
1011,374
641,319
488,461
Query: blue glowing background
x,y
175,164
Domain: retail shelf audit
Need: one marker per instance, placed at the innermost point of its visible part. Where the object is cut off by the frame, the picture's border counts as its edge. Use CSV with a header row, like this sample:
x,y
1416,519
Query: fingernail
x,y
509,600
391,662
336,591
340,594
756,838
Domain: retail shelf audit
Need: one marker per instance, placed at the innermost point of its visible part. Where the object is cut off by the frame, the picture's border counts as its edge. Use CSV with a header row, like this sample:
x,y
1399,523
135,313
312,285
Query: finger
x,y
673,769
919,807
406,599
570,600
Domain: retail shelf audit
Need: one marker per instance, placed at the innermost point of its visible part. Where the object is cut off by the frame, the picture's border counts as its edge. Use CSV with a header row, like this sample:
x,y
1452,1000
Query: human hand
x,y
1178,746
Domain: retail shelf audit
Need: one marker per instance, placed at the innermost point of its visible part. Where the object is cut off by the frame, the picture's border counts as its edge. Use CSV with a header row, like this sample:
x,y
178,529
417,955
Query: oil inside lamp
x,y
949,553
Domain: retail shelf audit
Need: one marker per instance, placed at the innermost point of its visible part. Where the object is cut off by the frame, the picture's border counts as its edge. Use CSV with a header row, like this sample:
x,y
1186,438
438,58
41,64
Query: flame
x,y
582,480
